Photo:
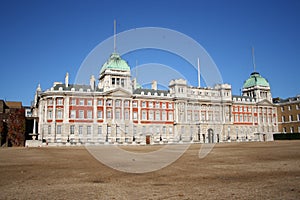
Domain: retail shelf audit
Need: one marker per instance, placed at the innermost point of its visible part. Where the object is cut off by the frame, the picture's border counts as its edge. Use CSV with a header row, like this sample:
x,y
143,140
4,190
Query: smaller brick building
x,y
288,114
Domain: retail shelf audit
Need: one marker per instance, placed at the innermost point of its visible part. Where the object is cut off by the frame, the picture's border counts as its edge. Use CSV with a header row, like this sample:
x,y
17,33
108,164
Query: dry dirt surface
x,y
254,170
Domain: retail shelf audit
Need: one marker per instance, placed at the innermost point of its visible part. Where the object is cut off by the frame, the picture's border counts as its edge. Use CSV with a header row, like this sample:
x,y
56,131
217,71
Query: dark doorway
x,y
148,139
210,135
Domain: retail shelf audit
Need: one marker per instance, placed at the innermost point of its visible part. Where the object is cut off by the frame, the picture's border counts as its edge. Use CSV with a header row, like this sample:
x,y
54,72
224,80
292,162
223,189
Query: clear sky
x,y
42,40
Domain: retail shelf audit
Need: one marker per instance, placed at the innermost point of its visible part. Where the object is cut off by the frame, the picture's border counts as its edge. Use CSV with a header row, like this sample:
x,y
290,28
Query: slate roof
x,y
77,87
139,90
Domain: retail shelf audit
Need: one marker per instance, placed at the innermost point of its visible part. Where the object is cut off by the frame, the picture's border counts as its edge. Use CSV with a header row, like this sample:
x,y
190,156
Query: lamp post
x,y
228,133
106,139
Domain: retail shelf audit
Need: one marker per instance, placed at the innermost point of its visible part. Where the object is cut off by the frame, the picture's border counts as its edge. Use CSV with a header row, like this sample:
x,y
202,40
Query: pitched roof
x,y
14,104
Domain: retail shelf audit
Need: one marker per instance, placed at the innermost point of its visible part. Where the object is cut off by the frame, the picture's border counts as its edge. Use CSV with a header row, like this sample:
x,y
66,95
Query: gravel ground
x,y
253,170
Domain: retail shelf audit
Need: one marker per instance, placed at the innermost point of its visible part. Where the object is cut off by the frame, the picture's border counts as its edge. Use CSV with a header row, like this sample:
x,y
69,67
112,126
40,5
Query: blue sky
x,y
42,40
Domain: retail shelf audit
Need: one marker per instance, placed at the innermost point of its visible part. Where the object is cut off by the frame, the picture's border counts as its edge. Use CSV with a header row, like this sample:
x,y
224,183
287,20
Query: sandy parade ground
x,y
254,170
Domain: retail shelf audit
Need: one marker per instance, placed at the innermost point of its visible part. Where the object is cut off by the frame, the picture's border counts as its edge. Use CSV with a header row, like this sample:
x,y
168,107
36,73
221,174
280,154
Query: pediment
x,y
265,102
118,92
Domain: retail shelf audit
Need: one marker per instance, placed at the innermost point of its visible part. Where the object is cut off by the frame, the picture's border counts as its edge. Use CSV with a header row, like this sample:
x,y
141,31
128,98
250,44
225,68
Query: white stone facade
x,y
116,111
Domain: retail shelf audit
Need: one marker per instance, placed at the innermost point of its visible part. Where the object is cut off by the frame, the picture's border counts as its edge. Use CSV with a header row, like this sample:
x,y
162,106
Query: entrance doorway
x,y
148,140
210,133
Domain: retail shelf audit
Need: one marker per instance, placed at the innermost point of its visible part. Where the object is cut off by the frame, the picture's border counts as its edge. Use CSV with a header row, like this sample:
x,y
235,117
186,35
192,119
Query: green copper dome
x,y
115,62
256,79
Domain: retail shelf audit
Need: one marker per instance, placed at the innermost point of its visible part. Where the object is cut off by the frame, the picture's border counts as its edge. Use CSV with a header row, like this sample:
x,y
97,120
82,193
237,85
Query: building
x,y
288,114
117,110
12,116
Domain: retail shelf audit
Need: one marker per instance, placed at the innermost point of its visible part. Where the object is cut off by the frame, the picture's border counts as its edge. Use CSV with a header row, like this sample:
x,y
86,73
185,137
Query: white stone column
x,y
95,110
122,110
104,110
113,112
139,111
131,110
66,109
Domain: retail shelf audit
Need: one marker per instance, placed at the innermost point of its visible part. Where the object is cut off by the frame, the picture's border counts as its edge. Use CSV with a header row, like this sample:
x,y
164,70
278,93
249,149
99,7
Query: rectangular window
x,y
196,116
58,130
151,115
157,115
118,114
134,130
73,102
89,114
203,116
99,130
144,115
60,101
134,104
170,105
72,129
118,103
126,114
89,102
282,108
122,82
49,114
59,114
126,104
108,114
108,130
80,131
291,118
163,105
73,114
50,102
297,107
99,114
289,107
100,102
81,102
189,116
170,116
49,129
157,105
135,115
170,130
89,130
150,104
298,117
163,116
283,118
144,130
292,129
144,104
81,114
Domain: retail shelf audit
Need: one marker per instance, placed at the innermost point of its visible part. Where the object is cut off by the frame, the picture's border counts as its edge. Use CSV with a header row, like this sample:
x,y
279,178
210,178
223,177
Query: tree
x,y
16,127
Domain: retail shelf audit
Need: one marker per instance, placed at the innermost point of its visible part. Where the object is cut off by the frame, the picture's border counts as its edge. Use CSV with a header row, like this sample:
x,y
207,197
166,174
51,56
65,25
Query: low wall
x,y
286,136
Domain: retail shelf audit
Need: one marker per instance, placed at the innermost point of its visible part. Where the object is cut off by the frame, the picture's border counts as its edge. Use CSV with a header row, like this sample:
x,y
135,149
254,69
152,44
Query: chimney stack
x,y
154,85
134,84
92,82
67,80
